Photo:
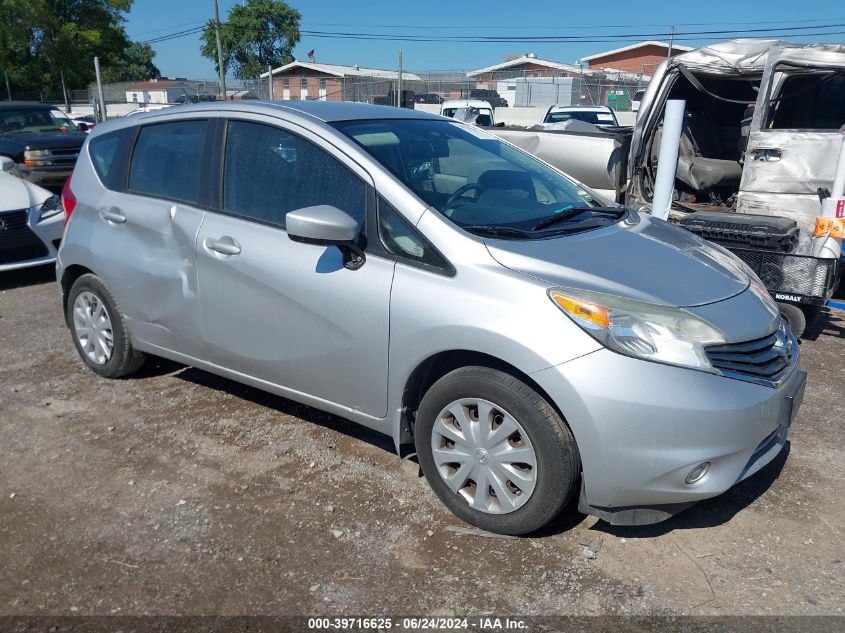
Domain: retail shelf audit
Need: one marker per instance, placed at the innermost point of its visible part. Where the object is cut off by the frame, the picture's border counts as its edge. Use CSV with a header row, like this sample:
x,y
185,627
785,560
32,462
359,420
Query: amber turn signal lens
x,y
592,312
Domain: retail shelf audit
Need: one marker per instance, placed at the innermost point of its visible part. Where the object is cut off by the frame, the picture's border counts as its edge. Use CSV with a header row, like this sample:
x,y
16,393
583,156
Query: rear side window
x,y
270,171
108,153
167,160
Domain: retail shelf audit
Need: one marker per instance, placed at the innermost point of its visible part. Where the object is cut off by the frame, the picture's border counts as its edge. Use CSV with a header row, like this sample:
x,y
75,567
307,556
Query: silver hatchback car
x,y
421,277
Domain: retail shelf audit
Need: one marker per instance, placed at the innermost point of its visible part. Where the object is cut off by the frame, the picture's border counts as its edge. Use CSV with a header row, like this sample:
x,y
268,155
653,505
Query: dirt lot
x,y
177,492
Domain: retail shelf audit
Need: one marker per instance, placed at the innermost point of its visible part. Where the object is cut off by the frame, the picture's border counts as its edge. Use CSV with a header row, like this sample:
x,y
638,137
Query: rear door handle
x,y
113,215
225,245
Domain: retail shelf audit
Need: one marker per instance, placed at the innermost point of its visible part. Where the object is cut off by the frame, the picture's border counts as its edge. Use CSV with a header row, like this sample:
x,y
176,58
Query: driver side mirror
x,y
82,127
6,163
325,225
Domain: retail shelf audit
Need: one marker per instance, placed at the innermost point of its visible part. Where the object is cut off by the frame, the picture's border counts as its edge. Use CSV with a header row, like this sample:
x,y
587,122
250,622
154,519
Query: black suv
x,y
42,140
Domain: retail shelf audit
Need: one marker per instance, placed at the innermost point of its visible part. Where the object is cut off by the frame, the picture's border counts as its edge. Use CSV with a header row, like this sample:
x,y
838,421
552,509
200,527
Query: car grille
x,y
764,360
17,241
65,157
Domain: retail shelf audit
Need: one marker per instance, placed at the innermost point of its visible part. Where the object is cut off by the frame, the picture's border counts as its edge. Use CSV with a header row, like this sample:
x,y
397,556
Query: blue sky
x,y
592,20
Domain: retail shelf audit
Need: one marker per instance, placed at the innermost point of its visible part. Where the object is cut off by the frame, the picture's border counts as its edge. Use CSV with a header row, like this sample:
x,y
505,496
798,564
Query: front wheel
x,y
494,451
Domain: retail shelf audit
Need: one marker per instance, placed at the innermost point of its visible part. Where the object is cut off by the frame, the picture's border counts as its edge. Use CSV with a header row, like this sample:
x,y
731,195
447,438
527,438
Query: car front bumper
x,y
19,244
642,427
49,177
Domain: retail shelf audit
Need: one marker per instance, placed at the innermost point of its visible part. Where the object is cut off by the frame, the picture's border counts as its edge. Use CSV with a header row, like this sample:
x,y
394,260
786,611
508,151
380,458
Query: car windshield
x,y
34,120
475,179
596,118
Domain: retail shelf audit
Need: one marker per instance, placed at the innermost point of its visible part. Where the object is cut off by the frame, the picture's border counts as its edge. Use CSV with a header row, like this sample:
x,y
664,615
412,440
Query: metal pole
x,y
100,89
219,52
64,90
399,98
270,79
8,90
667,159
671,37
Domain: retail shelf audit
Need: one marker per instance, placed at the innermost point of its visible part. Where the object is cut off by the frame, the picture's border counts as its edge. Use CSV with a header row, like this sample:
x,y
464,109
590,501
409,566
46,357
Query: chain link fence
x,y
512,89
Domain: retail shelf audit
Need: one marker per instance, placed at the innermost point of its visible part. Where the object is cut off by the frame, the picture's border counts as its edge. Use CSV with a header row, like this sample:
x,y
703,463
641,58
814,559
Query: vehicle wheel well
x,y
69,276
435,367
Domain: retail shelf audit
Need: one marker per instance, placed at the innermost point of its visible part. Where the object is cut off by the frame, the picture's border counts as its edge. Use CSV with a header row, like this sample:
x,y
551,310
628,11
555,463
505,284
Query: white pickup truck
x,y
761,132
473,111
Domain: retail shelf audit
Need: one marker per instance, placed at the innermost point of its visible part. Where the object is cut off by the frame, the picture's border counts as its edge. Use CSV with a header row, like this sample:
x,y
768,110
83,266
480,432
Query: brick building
x,y
643,57
332,82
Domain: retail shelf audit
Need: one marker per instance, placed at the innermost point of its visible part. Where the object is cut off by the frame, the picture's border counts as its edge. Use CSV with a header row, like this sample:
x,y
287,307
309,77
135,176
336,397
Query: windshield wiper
x,y
616,212
495,231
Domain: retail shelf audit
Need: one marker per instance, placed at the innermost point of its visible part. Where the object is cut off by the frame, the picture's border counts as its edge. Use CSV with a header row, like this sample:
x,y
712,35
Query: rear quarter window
x,y
108,156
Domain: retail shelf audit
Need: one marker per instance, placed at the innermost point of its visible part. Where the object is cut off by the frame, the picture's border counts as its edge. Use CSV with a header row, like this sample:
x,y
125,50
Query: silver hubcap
x,y
484,455
93,328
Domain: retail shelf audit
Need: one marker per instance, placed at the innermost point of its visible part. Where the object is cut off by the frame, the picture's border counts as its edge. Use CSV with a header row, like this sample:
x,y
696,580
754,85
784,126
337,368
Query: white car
x,y
600,116
31,221
474,111
149,108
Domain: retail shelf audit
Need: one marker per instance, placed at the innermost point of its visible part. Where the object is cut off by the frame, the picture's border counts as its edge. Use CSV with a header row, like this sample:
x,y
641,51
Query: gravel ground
x,y
178,492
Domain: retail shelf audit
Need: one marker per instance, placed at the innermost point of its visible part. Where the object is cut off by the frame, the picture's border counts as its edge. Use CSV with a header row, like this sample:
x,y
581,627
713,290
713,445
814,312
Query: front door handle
x,y
225,245
113,215
766,154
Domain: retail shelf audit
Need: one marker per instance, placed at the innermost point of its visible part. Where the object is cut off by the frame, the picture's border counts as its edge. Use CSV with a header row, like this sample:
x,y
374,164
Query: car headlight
x,y
643,330
50,207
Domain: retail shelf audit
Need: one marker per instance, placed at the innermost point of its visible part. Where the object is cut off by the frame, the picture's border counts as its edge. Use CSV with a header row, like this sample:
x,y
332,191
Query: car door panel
x,y
289,313
785,164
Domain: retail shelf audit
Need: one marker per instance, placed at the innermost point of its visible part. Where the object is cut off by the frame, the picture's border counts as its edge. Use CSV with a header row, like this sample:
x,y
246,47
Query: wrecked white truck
x,y
761,135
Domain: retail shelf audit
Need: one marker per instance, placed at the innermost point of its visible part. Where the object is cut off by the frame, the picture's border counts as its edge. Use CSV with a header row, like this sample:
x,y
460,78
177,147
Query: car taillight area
x,y
68,199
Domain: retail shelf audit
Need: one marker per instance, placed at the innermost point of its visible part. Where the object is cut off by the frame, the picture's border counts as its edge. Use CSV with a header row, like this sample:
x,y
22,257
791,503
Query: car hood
x,y
18,194
45,140
639,258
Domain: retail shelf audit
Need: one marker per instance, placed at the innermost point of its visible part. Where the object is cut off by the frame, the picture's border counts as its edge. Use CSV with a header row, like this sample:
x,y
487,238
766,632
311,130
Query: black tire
x,y
124,359
558,463
796,318
810,313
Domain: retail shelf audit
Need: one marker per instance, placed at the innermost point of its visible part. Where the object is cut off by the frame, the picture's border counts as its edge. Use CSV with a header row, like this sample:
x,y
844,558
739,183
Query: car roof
x,y
326,111
586,108
323,112
476,103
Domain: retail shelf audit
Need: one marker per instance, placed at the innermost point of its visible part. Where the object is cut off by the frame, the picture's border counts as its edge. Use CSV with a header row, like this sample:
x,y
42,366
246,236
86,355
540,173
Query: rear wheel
x,y
99,329
494,451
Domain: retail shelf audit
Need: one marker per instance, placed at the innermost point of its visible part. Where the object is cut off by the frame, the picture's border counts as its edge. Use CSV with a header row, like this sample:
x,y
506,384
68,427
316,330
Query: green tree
x,y
135,64
255,35
39,39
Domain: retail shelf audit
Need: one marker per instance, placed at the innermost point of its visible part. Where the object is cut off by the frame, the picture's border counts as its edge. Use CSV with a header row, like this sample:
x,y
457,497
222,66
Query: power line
x,y
817,30
571,27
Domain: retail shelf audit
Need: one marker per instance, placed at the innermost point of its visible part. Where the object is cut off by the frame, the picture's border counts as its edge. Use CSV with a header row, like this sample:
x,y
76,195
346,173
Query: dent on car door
x,y
157,218
794,134
286,312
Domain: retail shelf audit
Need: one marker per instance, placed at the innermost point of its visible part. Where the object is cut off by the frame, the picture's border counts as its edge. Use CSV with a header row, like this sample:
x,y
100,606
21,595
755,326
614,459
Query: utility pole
x,y
270,79
219,52
399,89
100,89
8,90
671,37
64,90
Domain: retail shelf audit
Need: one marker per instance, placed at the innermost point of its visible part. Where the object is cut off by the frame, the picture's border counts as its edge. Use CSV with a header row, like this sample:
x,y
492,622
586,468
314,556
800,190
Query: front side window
x,y
476,180
269,171
167,160
402,240
809,100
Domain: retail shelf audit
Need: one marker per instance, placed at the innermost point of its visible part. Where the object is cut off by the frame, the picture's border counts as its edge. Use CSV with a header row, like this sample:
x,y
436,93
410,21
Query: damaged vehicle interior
x,y
718,117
